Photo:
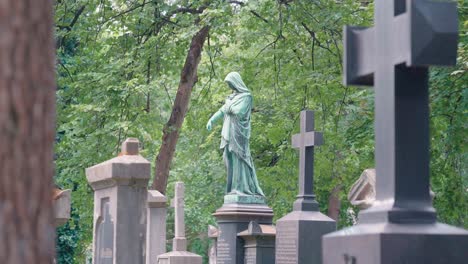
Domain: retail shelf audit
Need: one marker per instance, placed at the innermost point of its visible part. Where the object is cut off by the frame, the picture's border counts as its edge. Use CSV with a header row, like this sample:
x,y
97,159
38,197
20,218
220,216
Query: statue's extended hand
x,y
208,125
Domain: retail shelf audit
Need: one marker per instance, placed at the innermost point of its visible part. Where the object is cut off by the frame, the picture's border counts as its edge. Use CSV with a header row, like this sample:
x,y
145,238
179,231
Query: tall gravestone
x,y
213,235
299,233
62,206
156,226
120,196
394,55
179,253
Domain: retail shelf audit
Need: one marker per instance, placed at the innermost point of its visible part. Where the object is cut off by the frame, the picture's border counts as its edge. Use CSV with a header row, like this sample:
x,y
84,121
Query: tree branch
x,y
171,130
259,16
314,37
74,20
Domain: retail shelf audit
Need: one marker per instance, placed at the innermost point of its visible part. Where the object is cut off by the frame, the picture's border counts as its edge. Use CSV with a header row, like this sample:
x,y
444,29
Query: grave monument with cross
x,y
179,253
299,233
394,56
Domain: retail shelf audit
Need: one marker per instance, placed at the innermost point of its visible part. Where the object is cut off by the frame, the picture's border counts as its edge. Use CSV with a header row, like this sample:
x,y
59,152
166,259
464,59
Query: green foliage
x,y
68,237
118,73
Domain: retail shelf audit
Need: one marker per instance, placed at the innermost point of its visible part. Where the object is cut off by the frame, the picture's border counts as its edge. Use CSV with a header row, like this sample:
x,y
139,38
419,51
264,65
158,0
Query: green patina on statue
x,y
242,184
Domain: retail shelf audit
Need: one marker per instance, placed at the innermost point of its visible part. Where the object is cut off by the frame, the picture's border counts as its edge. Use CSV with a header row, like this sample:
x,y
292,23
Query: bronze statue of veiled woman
x,y
242,183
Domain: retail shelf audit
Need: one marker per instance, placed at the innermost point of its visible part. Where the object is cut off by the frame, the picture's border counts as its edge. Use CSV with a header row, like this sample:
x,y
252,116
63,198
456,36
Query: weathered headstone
x,y
213,233
120,196
362,192
156,226
259,244
179,254
299,233
62,206
400,226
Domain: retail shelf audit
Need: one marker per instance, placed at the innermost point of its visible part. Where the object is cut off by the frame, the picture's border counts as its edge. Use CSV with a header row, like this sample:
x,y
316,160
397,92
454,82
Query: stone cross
x,y
305,142
179,242
299,233
394,56
179,254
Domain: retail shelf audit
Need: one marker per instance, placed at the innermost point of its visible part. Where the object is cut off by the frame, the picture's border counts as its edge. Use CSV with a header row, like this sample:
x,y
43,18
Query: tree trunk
x,y
27,131
334,203
188,78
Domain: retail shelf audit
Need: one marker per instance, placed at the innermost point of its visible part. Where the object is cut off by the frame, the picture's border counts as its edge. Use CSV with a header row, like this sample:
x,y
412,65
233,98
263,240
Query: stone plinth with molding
x,y
120,197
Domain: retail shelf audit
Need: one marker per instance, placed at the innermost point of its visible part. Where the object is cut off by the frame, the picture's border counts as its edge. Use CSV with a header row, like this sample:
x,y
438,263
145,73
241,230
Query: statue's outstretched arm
x,y
214,118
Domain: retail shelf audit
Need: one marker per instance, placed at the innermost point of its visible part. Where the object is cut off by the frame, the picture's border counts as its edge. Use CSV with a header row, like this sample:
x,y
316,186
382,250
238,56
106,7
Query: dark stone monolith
x,y
394,56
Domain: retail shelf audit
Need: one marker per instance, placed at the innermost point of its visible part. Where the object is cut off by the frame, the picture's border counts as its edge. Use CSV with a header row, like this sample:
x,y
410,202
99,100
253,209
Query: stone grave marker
x,y
156,226
120,197
299,233
362,192
62,206
394,56
213,233
179,254
259,244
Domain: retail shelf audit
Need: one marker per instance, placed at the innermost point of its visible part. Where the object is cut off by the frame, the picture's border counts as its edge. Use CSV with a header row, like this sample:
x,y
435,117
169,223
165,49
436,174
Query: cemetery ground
x,y
358,134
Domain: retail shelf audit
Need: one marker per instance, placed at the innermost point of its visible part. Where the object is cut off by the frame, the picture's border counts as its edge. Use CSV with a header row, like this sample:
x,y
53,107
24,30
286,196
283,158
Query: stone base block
x,y
244,199
179,257
397,243
62,207
299,235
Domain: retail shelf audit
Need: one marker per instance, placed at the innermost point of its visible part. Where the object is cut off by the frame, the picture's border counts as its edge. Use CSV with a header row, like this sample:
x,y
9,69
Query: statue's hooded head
x,y
234,80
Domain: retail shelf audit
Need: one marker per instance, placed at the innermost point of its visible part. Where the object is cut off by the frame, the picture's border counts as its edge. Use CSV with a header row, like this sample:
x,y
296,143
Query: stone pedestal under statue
x,y
233,218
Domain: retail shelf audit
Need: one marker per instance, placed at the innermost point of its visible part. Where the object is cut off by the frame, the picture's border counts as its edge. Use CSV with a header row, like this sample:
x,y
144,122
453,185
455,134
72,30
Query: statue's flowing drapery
x,y
242,178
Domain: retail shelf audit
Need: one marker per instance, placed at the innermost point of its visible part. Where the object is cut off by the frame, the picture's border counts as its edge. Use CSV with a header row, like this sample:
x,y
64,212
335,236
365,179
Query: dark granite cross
x,y
394,56
305,142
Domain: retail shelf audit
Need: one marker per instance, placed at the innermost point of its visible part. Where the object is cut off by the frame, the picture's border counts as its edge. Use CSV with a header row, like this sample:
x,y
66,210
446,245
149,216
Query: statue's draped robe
x,y
242,178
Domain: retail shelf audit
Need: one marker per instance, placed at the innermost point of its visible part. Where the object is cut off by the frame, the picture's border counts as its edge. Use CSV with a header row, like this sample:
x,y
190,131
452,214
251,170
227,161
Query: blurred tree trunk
x,y
27,131
334,203
188,78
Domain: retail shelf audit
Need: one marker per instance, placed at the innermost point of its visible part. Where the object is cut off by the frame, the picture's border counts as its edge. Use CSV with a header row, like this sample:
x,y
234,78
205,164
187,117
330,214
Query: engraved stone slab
x,y
287,248
179,257
105,236
227,240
